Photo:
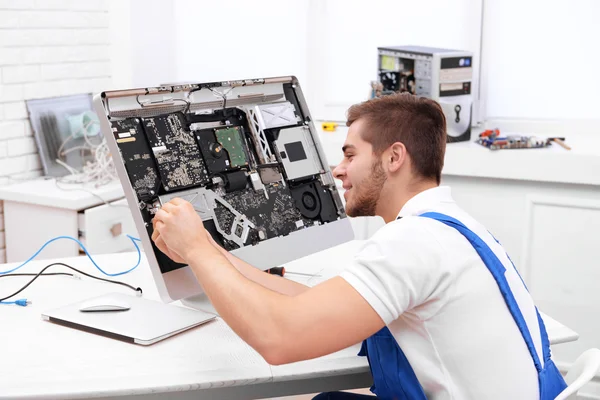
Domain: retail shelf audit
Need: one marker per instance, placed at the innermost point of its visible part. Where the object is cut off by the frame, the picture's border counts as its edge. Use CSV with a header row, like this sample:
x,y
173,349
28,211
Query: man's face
x,y
361,173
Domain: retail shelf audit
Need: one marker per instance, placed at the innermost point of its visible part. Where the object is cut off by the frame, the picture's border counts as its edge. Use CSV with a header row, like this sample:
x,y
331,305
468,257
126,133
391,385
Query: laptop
x,y
145,322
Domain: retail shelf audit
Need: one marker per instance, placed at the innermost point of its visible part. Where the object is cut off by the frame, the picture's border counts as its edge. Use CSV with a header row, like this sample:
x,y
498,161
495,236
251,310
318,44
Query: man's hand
x,y
160,243
179,232
162,246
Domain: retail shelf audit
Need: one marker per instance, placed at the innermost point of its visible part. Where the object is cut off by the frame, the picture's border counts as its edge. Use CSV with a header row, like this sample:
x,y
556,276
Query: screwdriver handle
x,y
276,271
562,143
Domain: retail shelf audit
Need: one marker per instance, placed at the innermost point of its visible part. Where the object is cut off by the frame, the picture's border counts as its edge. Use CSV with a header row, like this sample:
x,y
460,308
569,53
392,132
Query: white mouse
x,y
105,303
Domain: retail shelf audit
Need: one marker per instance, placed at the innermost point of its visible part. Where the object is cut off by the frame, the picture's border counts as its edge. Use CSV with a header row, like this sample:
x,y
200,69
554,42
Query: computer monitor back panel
x,y
244,153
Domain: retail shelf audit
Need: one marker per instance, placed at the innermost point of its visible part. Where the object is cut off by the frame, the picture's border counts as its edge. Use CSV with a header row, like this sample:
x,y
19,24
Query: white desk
x,y
45,361
38,210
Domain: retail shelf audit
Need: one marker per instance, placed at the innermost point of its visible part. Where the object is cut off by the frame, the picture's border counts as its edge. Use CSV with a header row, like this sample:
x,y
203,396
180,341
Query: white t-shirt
x,y
443,306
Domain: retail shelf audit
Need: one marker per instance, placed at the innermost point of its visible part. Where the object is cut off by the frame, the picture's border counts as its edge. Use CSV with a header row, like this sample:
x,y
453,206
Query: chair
x,y
583,370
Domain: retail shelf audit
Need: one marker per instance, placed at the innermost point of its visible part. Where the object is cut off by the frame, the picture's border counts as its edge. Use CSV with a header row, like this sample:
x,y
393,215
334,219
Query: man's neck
x,y
397,196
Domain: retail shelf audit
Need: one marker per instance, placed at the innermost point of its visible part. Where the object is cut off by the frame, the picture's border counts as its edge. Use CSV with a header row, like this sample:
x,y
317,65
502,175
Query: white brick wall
x,y
47,48
2,251
16,110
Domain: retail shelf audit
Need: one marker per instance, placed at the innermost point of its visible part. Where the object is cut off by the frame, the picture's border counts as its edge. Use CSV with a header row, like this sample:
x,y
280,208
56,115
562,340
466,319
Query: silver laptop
x,y
145,322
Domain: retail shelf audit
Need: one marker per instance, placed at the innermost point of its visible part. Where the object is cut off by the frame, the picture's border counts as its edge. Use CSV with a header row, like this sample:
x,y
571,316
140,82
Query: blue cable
x,y
20,302
133,239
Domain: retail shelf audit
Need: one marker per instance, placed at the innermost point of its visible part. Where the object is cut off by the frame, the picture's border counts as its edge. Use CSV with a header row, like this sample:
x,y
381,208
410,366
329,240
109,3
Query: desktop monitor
x,y
245,153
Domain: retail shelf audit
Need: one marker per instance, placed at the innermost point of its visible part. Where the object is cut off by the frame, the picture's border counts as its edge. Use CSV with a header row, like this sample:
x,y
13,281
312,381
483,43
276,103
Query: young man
x,y
441,309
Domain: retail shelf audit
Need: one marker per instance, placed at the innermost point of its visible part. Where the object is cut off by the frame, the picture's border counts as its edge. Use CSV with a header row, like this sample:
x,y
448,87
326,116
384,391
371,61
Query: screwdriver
x,y
330,126
276,271
281,272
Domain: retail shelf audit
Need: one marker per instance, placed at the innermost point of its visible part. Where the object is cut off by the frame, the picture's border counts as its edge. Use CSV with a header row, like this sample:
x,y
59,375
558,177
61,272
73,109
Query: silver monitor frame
x,y
181,283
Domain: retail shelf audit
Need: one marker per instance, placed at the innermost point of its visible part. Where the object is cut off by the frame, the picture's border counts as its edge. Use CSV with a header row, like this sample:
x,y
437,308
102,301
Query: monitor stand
x,y
199,302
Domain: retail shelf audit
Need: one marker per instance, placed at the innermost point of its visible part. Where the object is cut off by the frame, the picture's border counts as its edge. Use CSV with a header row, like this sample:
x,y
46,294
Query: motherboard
x,y
251,172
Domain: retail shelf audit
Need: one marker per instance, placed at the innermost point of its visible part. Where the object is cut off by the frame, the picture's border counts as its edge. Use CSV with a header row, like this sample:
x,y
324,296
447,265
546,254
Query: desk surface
x,y
41,360
45,192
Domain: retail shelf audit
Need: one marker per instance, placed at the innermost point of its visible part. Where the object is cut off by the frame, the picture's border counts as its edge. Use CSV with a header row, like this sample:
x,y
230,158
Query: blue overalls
x,y
394,378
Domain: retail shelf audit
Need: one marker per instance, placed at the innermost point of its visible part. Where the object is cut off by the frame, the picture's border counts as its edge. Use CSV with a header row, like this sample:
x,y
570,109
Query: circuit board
x,y
135,152
225,217
241,177
273,216
176,152
496,142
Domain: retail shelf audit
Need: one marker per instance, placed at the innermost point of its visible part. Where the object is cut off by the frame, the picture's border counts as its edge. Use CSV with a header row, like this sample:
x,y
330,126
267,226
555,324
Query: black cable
x,y
194,90
137,98
186,109
32,274
223,96
74,269
189,94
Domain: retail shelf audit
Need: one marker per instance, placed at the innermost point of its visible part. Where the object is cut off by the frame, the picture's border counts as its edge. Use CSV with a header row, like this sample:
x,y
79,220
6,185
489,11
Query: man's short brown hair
x,y
417,122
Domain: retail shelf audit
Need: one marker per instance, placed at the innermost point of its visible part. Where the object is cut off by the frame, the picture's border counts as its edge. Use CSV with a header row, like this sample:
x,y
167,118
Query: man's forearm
x,y
272,282
264,316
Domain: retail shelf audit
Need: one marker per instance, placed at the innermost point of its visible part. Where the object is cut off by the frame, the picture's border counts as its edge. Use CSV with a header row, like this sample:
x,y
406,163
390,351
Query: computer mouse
x,y
105,303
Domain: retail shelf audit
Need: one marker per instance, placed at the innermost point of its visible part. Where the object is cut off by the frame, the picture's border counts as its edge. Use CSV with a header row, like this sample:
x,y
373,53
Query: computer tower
x,y
440,74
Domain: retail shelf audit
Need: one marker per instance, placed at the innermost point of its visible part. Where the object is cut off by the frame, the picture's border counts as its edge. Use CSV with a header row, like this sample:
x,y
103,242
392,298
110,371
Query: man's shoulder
x,y
411,232
408,226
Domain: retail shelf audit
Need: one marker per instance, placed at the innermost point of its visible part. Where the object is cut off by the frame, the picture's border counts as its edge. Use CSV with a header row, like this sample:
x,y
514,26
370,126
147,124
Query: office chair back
x,y
583,370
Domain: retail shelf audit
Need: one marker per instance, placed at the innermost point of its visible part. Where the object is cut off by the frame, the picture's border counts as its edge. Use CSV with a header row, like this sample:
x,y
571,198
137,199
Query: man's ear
x,y
396,156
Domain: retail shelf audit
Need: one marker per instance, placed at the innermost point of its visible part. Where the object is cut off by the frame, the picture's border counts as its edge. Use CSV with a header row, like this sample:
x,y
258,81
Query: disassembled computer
x,y
443,75
244,153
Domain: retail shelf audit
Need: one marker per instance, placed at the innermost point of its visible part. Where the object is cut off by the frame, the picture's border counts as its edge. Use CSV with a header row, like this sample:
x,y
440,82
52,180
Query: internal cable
x,y
221,95
186,108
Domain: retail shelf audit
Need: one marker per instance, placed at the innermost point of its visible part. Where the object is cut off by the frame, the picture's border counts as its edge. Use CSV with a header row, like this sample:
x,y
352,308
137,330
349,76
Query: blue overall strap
x,y
550,380
393,377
